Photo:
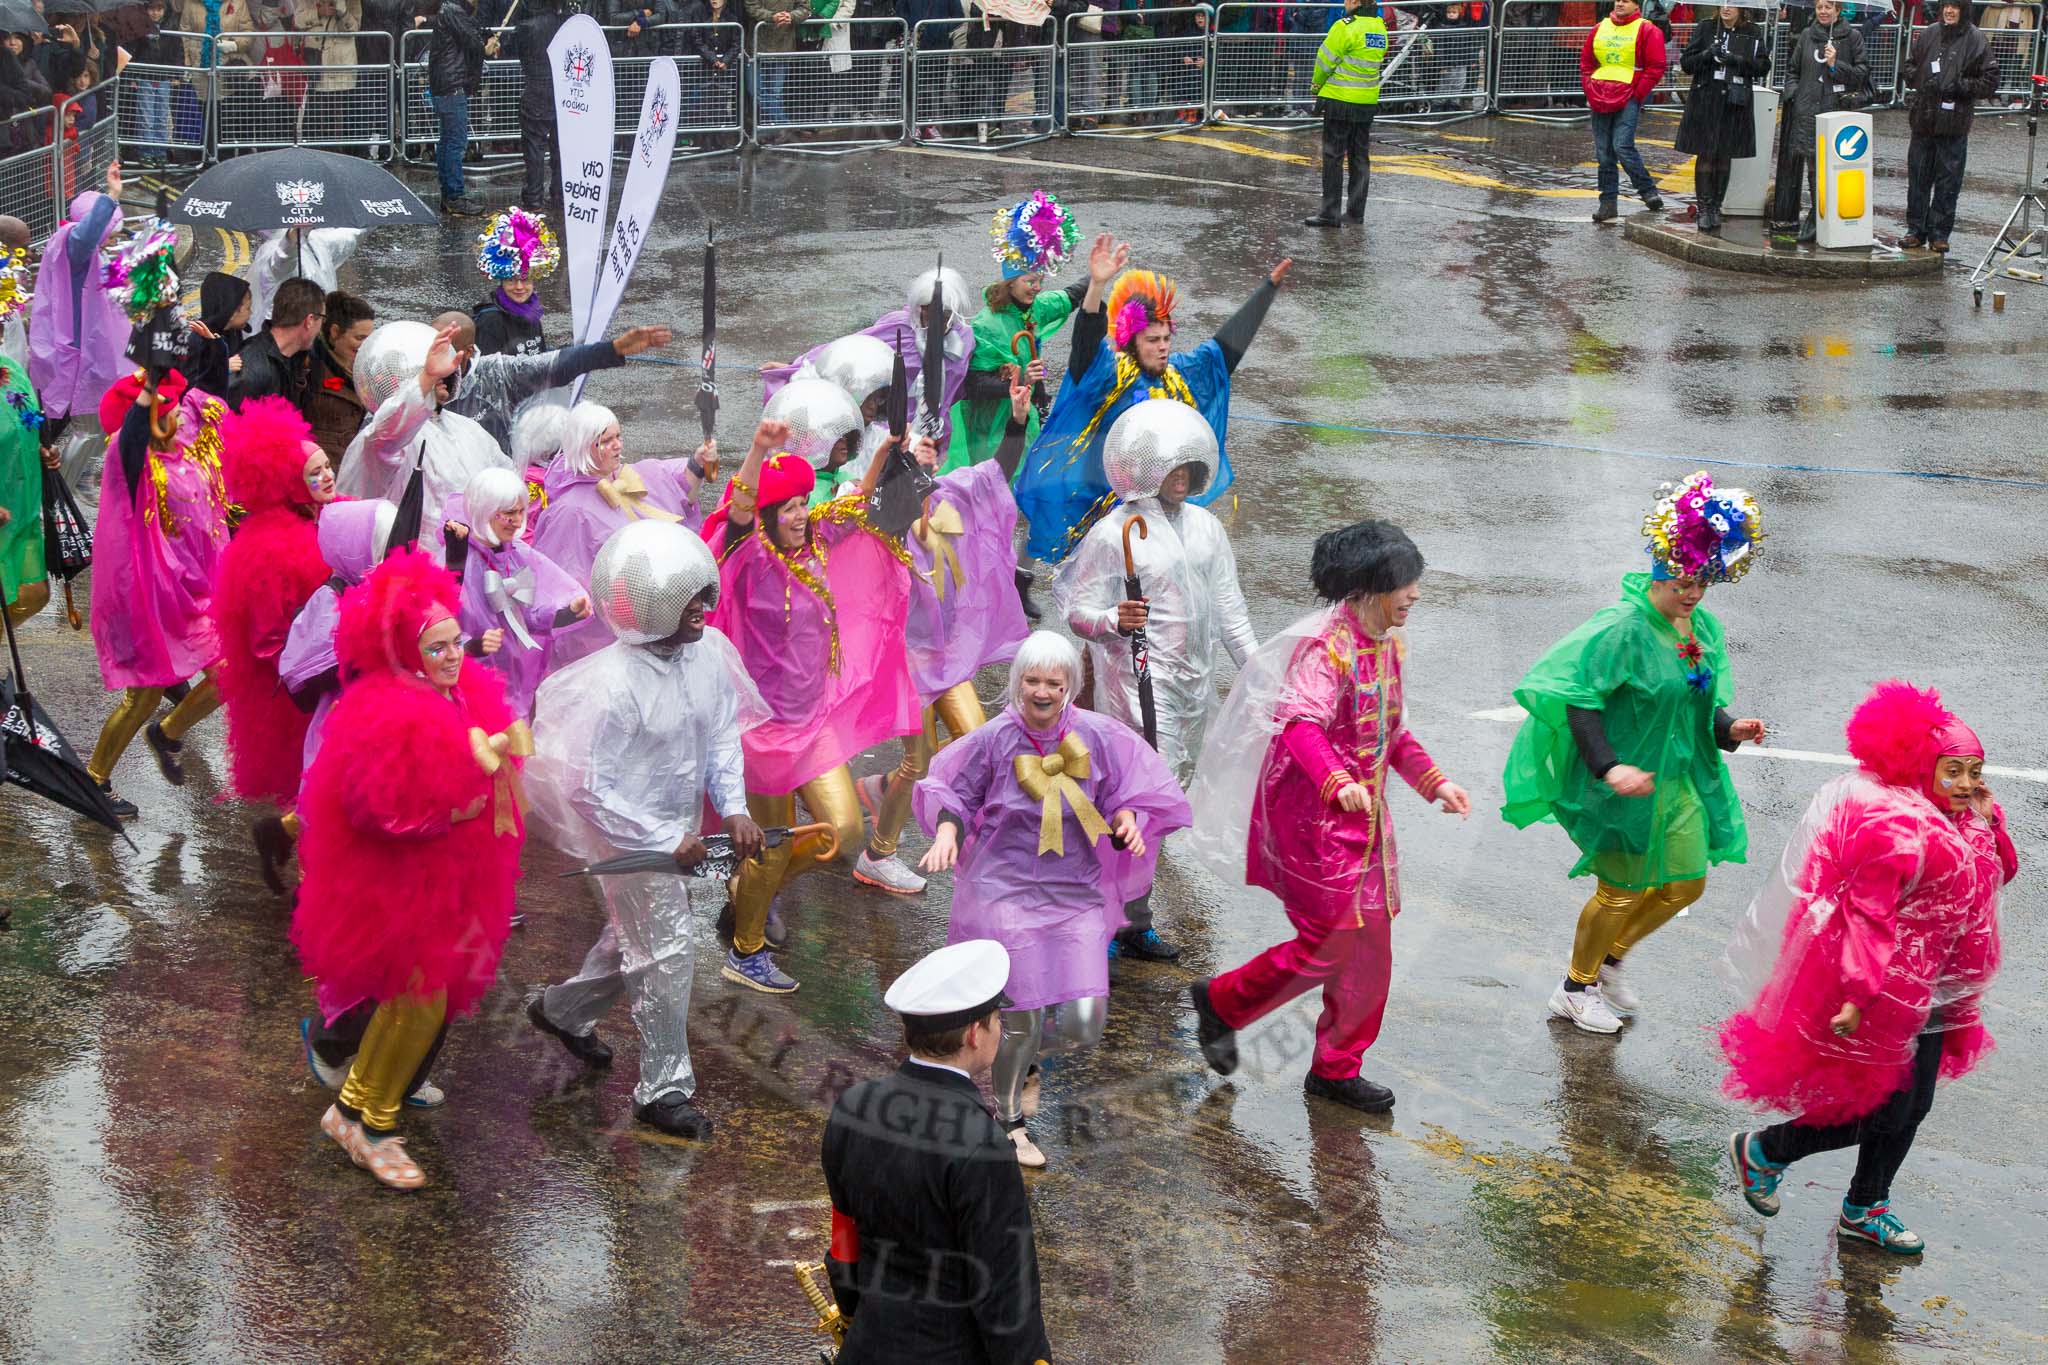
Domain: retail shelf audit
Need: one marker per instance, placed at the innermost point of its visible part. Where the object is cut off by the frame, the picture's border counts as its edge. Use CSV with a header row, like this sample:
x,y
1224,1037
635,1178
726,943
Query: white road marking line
x,y
1513,715
789,1205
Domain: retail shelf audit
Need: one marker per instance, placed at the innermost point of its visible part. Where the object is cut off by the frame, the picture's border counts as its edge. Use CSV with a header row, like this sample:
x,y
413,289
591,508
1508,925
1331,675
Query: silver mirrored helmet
x,y
392,354
1150,441
819,412
958,301
860,364
645,574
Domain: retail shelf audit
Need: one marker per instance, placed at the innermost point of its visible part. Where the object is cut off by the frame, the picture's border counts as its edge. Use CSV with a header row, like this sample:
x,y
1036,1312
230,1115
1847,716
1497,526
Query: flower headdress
x,y
1699,531
517,243
1138,299
15,289
1034,237
139,272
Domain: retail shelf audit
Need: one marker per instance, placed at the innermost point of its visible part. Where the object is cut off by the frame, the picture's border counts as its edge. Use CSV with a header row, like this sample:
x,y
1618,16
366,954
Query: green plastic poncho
x,y
21,486
1624,663
978,427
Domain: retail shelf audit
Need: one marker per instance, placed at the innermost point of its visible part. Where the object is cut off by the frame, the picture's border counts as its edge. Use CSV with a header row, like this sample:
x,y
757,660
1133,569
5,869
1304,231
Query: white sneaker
x,y
428,1096
869,790
1028,1155
1620,999
887,874
1587,1011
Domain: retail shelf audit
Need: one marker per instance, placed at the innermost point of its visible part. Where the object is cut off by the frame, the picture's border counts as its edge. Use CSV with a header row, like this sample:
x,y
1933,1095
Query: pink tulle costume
x,y
411,844
964,610
1054,911
1886,899
582,510
515,588
157,543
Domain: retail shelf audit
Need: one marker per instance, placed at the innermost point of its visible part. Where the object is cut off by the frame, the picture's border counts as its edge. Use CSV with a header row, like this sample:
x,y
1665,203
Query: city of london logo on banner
x,y
657,123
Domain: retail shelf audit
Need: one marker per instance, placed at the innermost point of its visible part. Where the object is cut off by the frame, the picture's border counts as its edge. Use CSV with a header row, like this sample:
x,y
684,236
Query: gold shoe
x,y
384,1158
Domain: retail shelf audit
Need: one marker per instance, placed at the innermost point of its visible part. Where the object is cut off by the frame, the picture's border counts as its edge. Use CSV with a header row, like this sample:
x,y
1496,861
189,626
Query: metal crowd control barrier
x,y
85,160
993,96
337,95
1263,60
1537,67
1436,74
1144,84
1884,54
25,189
493,110
167,111
842,101
711,93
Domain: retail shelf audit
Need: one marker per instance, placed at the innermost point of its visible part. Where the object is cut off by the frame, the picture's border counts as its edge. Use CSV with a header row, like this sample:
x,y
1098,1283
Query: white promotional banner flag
x,y
586,119
654,141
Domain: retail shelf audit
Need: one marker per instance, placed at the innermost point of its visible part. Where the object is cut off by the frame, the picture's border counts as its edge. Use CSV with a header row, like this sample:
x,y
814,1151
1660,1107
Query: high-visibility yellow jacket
x,y
1348,63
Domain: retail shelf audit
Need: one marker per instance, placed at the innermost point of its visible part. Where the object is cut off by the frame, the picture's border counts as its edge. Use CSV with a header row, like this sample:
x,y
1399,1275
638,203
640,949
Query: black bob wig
x,y
1364,557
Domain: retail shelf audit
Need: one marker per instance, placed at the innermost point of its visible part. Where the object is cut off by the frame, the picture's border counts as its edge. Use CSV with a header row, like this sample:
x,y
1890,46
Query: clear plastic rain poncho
x,y
1186,571
1880,899
318,256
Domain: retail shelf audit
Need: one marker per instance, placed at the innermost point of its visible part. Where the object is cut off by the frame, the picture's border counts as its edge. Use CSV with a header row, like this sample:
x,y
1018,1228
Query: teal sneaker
x,y
1880,1227
1758,1178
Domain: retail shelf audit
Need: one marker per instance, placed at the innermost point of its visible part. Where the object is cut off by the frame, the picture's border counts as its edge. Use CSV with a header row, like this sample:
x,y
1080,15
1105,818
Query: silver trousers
x,y
645,951
1031,1034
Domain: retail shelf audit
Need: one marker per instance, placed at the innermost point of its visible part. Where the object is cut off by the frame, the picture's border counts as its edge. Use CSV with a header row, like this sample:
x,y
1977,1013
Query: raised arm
x,y
1234,337
769,437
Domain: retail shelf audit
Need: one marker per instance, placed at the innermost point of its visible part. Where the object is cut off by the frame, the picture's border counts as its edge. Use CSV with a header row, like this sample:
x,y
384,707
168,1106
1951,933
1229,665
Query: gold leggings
x,y
32,598
133,711
959,710
830,799
401,1034
1615,921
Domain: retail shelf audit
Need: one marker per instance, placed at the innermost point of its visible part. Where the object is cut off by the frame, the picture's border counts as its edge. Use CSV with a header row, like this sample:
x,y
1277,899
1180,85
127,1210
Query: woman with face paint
x,y
280,477
507,585
817,601
1628,720
1054,817
1868,955
411,845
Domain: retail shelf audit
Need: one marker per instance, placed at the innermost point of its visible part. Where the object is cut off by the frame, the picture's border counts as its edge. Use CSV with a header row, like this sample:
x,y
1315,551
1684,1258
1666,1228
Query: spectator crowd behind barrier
x,y
928,73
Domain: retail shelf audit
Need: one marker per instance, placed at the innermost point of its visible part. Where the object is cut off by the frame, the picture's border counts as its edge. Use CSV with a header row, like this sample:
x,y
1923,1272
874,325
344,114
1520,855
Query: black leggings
x,y
1881,1138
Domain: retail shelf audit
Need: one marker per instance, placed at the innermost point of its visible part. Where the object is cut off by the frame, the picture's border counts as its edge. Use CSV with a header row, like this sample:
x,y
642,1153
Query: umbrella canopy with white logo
x,y
299,187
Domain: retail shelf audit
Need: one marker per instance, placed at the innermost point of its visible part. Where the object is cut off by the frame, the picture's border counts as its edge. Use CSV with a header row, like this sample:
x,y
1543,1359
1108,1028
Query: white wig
x,y
490,492
538,431
953,292
586,423
1043,650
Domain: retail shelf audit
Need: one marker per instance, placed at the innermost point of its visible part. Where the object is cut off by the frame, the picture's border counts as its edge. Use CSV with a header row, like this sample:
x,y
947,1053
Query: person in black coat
x,y
1727,57
709,56
1949,68
455,74
216,352
932,1256
276,360
540,145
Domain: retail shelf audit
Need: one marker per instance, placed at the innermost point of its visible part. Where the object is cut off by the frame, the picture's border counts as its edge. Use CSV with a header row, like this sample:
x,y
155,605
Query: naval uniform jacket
x,y
938,1266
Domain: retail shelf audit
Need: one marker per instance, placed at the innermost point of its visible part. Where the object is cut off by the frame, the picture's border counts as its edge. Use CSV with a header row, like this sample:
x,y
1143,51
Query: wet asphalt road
x,y
1479,364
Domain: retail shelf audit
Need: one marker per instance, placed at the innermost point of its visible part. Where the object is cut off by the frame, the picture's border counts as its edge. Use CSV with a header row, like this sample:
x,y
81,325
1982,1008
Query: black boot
x,y
674,1114
1607,211
123,808
586,1048
1218,1039
1319,220
167,751
1808,228
273,851
1025,581
1354,1091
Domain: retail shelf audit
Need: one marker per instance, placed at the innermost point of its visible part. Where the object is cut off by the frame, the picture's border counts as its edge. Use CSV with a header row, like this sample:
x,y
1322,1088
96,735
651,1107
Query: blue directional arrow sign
x,y
1851,143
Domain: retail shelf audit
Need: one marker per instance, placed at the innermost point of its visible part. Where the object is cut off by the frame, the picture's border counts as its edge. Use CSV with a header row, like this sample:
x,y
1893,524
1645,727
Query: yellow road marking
x,y
1243,149
1427,166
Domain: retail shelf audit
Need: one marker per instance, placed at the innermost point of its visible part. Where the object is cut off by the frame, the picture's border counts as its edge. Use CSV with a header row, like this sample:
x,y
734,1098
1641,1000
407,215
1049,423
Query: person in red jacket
x,y
1620,65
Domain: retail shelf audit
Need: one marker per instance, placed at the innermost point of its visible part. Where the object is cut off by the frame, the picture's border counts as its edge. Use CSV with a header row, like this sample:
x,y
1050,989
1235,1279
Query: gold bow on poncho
x,y
491,751
625,490
1051,778
936,530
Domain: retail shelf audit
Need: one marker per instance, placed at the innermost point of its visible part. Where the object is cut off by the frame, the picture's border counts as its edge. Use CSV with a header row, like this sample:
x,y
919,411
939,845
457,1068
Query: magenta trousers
x,y
1352,965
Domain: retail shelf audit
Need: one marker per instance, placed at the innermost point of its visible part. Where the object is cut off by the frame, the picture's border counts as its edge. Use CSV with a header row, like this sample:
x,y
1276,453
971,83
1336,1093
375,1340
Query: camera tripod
x,y
2023,233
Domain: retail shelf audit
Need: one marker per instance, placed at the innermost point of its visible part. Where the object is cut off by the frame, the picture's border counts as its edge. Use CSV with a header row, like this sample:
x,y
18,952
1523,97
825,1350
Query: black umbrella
x,y
67,539
707,388
299,187
1141,648
84,6
720,860
41,759
412,507
18,16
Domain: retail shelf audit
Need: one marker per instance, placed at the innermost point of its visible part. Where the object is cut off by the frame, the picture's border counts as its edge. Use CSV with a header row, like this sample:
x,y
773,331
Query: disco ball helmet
x,y
393,354
819,413
860,364
1150,441
645,574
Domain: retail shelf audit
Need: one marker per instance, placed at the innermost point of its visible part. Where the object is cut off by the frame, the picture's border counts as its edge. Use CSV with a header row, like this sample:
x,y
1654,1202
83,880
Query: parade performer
x,y
1157,455
632,744
157,542
507,585
863,368
516,249
964,616
815,600
78,333
1869,953
352,537
24,577
1055,816
932,1257
1627,720
905,327
592,490
1121,357
411,845
537,438
1291,795
270,569
1033,239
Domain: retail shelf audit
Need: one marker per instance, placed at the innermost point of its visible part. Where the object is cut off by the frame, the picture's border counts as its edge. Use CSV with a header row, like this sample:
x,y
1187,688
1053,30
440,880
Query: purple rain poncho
x,y
978,619
77,334
518,576
348,542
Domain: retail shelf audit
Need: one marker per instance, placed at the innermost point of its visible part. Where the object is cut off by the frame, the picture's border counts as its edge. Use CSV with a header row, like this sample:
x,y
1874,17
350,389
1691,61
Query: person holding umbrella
x,y
1726,57
1157,456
